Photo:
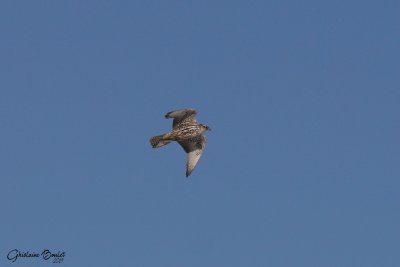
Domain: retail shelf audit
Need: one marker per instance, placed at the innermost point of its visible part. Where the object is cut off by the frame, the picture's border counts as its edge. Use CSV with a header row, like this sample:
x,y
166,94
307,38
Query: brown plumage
x,y
187,132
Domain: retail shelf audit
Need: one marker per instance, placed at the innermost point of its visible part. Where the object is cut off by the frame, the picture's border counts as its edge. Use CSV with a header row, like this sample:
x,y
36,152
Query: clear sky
x,y
302,166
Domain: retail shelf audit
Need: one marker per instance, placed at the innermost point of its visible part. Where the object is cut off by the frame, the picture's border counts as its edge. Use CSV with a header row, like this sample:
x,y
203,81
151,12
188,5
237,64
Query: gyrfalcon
x,y
187,132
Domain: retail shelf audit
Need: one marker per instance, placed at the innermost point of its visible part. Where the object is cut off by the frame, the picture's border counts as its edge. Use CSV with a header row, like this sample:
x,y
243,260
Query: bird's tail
x,y
158,141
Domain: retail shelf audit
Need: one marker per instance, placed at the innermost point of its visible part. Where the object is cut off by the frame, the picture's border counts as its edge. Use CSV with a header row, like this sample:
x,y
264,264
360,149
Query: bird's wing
x,y
194,148
181,115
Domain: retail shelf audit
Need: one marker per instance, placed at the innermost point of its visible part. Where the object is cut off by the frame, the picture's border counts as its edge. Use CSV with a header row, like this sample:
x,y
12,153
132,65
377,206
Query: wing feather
x,y
181,115
194,148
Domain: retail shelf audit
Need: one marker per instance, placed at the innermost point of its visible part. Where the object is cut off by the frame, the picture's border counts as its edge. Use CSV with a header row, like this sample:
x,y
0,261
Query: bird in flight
x,y
187,132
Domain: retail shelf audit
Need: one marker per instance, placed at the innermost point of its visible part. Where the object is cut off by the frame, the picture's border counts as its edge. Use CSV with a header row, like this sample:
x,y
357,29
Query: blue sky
x,y
301,168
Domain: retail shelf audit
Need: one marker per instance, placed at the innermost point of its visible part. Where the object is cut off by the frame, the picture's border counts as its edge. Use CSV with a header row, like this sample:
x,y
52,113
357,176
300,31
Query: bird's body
x,y
187,132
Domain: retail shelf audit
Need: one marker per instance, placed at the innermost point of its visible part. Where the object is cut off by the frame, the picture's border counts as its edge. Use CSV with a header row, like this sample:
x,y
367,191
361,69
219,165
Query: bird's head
x,y
205,127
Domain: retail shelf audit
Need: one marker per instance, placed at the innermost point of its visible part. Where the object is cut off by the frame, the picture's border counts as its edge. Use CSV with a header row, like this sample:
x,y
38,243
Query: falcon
x,y
187,132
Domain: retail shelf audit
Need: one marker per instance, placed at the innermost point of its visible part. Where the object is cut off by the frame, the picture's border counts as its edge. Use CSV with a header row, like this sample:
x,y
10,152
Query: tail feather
x,y
158,141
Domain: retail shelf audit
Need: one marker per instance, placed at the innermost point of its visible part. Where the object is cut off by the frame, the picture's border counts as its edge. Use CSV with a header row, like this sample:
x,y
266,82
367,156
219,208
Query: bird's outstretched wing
x,y
194,148
181,115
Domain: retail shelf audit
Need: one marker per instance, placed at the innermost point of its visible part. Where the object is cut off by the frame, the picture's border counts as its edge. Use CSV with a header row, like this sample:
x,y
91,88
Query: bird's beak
x,y
208,128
